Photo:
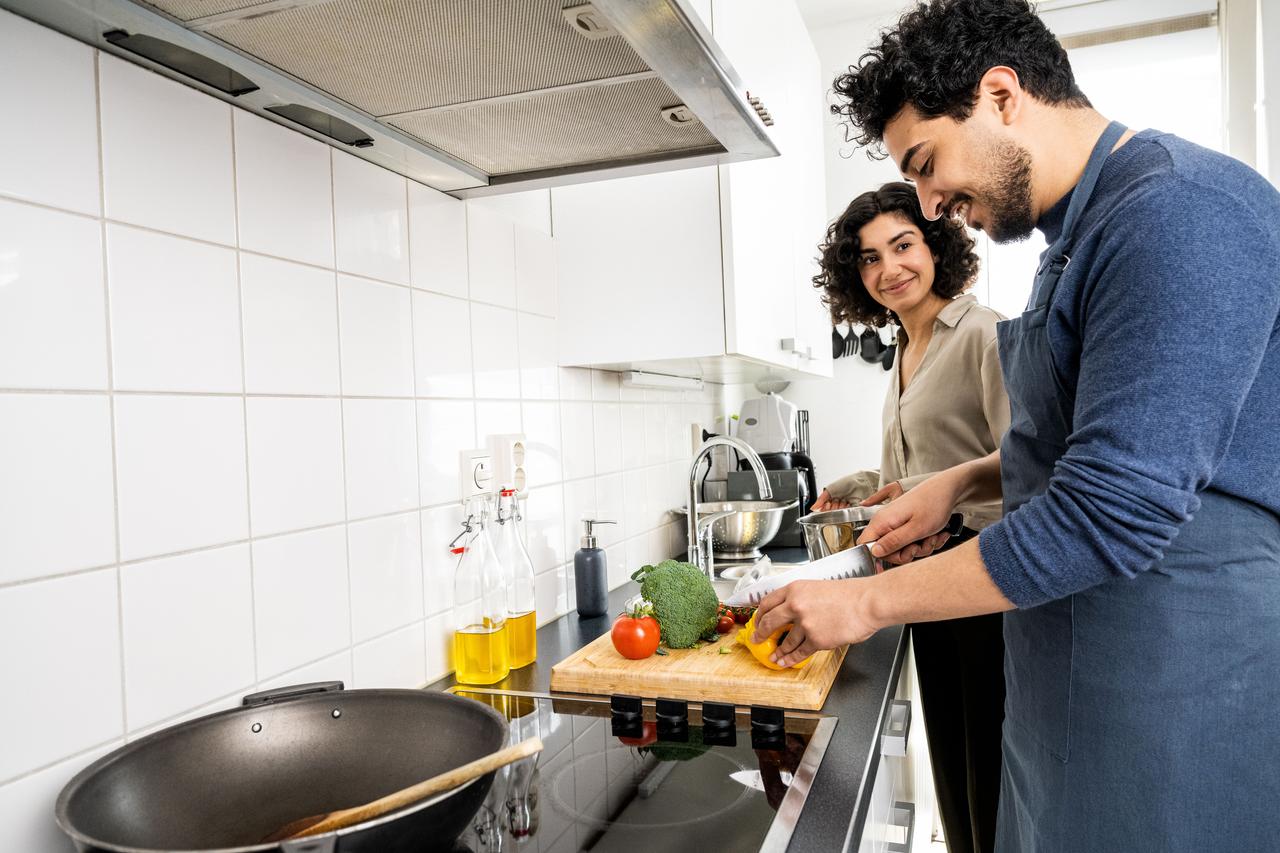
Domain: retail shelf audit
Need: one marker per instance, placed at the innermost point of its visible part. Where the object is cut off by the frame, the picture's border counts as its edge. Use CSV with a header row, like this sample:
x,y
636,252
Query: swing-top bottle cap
x,y
589,538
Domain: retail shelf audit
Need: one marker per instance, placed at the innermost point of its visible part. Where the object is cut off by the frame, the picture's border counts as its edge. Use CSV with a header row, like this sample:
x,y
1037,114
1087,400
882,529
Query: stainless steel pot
x,y
832,531
748,526
222,783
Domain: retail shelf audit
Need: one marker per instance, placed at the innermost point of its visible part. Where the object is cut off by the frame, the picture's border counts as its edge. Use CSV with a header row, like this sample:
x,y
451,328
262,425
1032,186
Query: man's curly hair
x,y
935,57
840,279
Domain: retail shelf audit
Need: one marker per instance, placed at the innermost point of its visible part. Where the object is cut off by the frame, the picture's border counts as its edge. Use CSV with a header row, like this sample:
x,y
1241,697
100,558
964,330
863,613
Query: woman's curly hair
x,y
936,56
840,279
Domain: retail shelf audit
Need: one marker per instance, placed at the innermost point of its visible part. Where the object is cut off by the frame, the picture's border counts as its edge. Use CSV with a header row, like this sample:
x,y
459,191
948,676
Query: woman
x,y
884,262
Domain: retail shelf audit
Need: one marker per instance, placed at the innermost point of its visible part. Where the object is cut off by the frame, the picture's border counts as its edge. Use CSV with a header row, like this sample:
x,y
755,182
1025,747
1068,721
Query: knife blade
x,y
850,563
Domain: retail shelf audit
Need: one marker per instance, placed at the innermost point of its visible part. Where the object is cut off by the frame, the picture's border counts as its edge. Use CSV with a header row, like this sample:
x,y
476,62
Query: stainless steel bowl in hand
x,y
827,533
749,526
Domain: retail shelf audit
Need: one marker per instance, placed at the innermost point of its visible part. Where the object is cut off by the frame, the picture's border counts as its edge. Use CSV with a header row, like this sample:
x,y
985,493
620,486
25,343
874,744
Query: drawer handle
x,y
893,739
901,829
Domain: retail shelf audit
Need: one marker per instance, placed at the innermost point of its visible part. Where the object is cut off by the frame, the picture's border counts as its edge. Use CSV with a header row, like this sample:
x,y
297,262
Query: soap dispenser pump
x,y
590,573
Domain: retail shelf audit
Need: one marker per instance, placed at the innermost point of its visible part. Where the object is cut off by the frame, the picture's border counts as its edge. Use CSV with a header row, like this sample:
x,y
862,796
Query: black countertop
x,y
835,809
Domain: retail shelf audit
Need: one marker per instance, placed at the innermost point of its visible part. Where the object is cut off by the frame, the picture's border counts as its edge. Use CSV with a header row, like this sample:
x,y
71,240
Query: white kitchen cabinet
x,y
709,270
900,814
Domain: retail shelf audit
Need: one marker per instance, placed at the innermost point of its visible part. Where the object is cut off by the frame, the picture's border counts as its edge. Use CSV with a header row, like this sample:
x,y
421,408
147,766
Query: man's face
x,y
971,169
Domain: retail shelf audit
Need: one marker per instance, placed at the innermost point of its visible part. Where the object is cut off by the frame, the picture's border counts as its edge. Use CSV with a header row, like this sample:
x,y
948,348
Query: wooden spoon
x,y
329,821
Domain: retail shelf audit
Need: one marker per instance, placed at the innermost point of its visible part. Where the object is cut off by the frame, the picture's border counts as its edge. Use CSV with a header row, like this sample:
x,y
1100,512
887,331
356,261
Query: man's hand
x,y
909,527
822,615
826,502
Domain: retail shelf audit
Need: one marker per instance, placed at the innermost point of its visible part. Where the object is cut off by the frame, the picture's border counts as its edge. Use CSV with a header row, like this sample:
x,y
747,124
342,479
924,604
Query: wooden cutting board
x,y
697,675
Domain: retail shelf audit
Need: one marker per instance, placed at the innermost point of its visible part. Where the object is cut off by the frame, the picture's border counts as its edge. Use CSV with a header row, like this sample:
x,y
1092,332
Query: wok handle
x,y
293,691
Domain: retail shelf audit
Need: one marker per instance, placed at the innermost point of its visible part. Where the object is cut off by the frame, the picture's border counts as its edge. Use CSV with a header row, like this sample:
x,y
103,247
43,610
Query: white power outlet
x,y
507,455
475,472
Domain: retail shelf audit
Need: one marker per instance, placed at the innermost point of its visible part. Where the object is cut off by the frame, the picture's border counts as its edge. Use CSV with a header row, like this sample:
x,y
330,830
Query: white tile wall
x,y
47,86
175,313
166,154
290,327
284,195
231,403
371,216
53,316
188,631
55,459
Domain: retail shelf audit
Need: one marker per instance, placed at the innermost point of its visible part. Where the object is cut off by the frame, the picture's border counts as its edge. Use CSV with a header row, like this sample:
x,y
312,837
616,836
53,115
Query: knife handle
x,y
955,524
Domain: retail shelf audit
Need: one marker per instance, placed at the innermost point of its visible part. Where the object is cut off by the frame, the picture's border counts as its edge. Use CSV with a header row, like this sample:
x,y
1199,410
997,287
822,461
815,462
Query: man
x,y
1139,556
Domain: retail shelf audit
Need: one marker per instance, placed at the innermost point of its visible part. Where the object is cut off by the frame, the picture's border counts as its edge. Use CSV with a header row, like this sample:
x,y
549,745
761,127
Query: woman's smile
x,y
897,287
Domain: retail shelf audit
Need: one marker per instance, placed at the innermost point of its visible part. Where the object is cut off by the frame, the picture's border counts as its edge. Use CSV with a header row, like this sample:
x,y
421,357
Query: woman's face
x,y
895,262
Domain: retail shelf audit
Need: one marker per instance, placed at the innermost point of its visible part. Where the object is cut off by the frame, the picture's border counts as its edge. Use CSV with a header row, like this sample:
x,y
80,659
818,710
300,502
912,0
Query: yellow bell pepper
x,y
766,647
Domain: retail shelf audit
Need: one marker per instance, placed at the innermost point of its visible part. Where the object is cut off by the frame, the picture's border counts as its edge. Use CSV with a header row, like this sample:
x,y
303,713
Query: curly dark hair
x,y
935,57
840,279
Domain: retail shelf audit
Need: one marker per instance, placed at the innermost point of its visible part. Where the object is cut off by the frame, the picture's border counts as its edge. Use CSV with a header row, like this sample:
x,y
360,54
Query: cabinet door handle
x,y
893,738
902,824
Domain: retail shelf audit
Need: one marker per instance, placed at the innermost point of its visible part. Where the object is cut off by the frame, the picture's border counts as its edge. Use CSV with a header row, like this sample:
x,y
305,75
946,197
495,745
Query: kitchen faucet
x,y
700,558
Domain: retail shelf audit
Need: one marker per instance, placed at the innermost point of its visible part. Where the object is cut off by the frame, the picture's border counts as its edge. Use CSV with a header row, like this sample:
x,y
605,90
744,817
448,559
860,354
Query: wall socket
x,y
475,472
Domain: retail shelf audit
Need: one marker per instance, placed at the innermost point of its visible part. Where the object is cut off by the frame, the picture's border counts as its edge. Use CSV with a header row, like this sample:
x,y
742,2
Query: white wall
x,y
236,367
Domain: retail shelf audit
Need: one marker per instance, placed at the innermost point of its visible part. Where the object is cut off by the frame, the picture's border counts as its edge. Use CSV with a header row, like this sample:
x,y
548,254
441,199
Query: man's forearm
x,y
949,585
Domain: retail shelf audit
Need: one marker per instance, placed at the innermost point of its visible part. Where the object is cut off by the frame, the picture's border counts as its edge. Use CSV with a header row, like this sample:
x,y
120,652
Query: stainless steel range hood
x,y
472,97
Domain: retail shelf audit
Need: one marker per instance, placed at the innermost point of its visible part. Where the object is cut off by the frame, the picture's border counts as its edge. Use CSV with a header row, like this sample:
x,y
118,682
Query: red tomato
x,y
648,736
635,637
724,624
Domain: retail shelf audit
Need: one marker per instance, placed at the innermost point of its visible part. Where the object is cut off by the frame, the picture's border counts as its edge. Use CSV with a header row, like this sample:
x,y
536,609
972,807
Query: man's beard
x,y
1008,195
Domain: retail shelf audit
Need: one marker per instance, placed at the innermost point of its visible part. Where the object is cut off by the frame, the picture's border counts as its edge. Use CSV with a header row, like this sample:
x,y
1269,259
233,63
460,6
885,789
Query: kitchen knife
x,y
853,562
850,563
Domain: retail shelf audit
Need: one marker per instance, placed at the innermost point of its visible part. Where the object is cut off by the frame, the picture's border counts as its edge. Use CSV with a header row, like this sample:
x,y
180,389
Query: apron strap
x,y
1055,257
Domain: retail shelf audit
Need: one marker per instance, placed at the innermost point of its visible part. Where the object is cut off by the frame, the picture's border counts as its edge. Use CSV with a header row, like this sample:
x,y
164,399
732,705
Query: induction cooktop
x,y
624,773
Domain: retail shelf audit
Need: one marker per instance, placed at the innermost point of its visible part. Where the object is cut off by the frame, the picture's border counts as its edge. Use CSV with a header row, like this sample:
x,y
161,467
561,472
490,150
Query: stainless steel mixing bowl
x,y
751,526
827,533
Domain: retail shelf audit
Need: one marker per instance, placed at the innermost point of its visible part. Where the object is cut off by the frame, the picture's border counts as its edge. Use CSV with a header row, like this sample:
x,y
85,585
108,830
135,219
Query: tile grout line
x,y
417,428
342,422
244,388
111,397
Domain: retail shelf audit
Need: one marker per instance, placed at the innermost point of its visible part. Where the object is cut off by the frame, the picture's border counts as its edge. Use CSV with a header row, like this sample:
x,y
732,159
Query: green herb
x,y
661,650
725,650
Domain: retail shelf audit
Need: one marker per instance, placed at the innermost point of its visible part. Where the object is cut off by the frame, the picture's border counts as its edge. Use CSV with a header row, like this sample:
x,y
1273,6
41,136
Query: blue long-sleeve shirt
x,y
1165,329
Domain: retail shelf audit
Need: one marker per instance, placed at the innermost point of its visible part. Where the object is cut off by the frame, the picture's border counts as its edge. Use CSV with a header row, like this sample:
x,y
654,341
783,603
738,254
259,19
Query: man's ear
x,y
1001,91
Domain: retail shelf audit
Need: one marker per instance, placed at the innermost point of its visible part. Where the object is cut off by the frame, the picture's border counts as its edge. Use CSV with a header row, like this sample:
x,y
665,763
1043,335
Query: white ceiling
x,y
819,13
1064,17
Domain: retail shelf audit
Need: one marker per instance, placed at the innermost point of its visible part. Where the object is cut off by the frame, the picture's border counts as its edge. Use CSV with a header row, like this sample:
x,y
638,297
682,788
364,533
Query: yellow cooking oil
x,y
480,654
522,638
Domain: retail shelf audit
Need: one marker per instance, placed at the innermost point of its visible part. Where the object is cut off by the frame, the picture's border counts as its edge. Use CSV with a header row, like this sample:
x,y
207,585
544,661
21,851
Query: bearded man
x,y
1138,561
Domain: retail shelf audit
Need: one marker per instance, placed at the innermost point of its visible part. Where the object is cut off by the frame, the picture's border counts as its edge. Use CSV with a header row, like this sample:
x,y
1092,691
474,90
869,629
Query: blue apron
x,y
1142,714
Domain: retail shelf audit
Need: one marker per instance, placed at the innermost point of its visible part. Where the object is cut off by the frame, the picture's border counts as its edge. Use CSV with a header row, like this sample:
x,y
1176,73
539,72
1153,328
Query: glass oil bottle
x,y
480,646
522,619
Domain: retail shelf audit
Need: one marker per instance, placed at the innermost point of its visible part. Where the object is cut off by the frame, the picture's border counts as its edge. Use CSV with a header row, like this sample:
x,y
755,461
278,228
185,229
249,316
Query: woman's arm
x,y
916,515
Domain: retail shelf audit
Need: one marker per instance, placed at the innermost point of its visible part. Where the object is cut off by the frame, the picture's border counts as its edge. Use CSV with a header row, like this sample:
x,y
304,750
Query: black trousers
x,y
960,664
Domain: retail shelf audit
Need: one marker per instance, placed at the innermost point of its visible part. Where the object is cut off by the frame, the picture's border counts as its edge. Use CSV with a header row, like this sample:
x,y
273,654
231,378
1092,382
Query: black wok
x,y
226,781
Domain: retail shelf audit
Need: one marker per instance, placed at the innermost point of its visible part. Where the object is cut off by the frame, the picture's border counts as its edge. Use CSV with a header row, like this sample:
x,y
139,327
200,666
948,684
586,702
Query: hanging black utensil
x,y
870,345
837,343
886,360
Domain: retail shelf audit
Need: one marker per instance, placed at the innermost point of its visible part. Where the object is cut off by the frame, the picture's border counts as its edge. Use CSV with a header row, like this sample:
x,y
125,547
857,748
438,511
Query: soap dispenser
x,y
590,573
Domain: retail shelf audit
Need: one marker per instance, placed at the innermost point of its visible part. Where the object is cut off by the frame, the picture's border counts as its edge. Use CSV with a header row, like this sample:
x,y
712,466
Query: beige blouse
x,y
954,410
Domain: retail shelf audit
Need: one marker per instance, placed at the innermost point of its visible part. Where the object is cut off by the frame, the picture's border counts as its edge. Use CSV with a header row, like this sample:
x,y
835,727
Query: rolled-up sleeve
x,y
1173,322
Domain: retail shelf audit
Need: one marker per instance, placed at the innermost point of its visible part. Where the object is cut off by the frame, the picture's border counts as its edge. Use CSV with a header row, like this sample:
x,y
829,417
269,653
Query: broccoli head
x,y
684,602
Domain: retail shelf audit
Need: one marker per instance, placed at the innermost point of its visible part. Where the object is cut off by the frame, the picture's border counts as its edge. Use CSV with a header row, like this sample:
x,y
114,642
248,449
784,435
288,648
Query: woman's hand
x,y
893,491
826,502
909,527
822,615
